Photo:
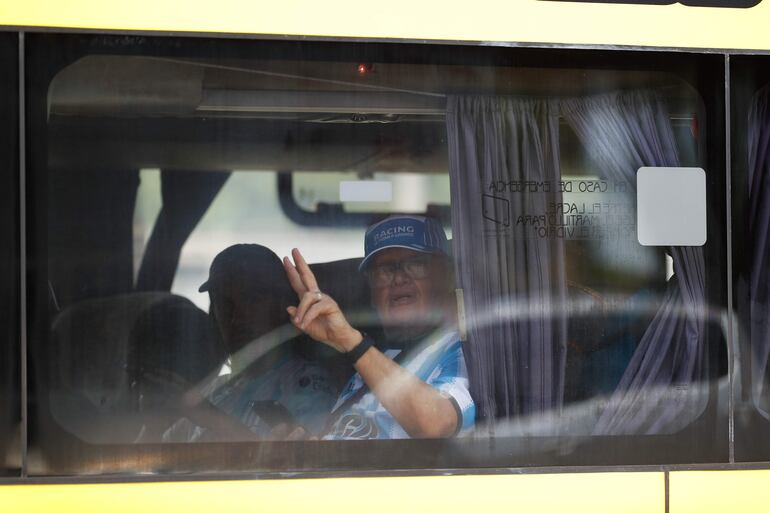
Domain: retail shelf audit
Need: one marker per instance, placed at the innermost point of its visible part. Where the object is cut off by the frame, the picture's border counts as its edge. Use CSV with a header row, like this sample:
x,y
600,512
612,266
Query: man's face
x,y
409,288
242,317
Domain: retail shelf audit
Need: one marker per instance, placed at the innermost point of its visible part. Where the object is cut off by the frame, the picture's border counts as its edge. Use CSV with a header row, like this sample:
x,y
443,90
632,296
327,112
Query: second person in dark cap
x,y
248,293
268,387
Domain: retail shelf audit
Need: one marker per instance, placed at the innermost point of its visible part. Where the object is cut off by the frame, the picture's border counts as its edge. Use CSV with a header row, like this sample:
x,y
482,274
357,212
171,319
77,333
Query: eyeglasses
x,y
382,275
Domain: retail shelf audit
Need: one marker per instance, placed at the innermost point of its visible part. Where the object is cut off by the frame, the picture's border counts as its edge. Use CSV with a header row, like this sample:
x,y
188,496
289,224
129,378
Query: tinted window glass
x,y
512,296
9,257
749,87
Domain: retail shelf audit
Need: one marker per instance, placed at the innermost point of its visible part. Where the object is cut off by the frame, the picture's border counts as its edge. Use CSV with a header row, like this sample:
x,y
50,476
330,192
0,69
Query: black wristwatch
x,y
357,352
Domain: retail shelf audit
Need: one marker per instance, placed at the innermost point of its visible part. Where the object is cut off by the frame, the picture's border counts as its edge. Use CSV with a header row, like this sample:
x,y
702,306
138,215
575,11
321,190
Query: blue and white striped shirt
x,y
438,361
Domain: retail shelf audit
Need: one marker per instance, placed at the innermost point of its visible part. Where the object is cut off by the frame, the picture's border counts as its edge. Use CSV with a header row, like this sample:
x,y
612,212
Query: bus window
x,y
462,223
248,210
252,206
10,408
750,82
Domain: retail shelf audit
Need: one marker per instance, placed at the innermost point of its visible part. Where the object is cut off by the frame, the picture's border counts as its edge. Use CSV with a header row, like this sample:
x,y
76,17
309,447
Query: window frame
x,y
682,448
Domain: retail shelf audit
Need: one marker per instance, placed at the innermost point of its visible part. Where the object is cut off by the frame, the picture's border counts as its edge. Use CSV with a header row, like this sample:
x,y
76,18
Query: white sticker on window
x,y
366,190
671,206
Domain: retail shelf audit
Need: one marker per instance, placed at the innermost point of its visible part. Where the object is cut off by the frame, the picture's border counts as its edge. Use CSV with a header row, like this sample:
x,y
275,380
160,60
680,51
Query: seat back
x,y
97,342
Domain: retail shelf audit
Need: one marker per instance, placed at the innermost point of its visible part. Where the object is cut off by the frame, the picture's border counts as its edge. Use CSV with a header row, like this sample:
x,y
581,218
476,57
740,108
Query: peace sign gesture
x,y
317,314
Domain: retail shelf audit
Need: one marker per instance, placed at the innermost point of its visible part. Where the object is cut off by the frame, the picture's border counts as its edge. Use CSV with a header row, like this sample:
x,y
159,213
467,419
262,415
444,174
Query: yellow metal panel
x,y
719,491
480,20
576,493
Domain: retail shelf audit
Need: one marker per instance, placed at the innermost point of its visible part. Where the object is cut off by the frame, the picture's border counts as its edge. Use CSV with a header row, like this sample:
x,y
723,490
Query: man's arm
x,y
421,410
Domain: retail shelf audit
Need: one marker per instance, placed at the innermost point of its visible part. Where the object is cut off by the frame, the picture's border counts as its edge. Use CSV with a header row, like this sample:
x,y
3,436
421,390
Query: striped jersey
x,y
438,361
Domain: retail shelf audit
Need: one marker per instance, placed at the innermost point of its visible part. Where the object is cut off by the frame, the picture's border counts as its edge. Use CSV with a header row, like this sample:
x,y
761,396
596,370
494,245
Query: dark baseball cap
x,y
246,264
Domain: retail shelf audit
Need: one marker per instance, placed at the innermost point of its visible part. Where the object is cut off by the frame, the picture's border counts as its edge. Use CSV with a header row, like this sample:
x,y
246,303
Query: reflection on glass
x,y
219,290
759,218
275,391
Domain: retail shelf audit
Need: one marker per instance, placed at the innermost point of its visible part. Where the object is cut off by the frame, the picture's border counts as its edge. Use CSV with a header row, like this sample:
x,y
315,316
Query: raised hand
x,y
317,314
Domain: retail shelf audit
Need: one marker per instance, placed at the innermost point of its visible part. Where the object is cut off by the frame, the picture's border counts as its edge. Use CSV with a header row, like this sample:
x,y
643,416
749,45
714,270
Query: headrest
x,y
95,343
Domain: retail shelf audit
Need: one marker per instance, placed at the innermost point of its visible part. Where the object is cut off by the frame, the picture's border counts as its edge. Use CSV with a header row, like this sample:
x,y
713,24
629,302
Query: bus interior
x,y
150,156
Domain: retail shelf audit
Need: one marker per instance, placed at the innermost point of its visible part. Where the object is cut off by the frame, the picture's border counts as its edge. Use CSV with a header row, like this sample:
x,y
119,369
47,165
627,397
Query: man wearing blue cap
x,y
421,389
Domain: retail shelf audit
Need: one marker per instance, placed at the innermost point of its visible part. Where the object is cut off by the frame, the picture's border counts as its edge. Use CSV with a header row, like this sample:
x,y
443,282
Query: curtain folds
x,y
660,390
514,283
518,340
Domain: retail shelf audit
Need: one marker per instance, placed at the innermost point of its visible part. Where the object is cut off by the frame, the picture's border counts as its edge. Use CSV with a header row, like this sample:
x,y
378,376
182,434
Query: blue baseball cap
x,y
418,233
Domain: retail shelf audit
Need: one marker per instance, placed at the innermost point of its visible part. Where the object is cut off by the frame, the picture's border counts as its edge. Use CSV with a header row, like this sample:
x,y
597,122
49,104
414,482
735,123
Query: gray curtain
x,y
662,389
759,225
512,279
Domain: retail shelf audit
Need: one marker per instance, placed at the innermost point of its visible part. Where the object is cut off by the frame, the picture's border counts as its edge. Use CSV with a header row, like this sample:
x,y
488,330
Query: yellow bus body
x,y
520,21
632,492
512,21
596,493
